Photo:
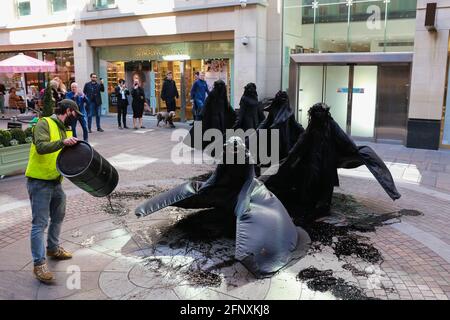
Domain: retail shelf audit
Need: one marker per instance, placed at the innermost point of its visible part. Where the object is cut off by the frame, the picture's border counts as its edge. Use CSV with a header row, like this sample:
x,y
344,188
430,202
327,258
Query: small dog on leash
x,y
167,117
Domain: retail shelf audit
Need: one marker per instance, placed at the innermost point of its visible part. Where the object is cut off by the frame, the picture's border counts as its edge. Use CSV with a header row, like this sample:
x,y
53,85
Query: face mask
x,y
69,119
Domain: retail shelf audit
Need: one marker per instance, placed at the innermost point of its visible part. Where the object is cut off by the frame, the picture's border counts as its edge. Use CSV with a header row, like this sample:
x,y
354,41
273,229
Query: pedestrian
x,y
198,95
169,93
250,113
61,86
81,100
33,97
2,99
216,114
122,94
93,90
58,95
48,200
16,101
138,105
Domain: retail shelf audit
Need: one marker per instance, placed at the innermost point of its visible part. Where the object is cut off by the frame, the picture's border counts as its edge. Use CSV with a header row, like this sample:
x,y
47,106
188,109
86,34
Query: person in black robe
x,y
216,114
280,118
250,114
307,177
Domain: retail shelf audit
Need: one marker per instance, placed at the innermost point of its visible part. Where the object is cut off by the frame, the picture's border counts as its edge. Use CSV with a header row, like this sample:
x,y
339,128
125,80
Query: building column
x,y
428,84
250,59
84,61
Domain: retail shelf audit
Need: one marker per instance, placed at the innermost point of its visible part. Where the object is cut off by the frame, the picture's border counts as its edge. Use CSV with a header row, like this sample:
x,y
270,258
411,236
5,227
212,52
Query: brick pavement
x,y
414,267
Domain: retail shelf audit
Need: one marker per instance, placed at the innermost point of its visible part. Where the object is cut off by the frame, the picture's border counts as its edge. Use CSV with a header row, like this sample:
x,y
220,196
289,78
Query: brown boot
x,y
59,254
42,273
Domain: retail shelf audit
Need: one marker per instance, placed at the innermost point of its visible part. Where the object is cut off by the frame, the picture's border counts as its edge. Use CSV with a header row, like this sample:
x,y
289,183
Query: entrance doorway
x,y
350,91
369,102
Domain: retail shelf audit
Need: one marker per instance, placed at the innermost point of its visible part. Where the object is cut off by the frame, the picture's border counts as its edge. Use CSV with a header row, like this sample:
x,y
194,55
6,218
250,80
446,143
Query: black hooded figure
x,y
309,174
282,118
250,114
266,237
216,114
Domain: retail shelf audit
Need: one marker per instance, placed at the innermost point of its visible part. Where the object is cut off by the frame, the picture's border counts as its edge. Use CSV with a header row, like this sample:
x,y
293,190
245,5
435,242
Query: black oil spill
x,y
118,205
203,177
324,281
338,230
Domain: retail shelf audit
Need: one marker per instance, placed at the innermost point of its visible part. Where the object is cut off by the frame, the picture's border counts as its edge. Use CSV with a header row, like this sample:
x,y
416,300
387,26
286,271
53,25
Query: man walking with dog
x,y
169,93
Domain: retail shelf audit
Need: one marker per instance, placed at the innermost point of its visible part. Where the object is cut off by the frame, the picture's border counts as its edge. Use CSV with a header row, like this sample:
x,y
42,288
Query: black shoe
x,y
143,127
100,130
90,131
126,127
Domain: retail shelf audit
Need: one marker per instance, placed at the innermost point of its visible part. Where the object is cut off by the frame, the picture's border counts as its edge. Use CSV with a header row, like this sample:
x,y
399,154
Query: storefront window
x,y
319,26
65,69
59,5
23,8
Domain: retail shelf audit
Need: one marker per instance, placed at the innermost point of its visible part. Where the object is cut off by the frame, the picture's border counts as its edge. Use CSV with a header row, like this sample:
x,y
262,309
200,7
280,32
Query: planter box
x,y
14,159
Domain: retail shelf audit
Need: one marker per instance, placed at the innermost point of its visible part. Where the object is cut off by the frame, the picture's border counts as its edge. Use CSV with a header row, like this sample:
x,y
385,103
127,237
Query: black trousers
x,y
171,105
122,113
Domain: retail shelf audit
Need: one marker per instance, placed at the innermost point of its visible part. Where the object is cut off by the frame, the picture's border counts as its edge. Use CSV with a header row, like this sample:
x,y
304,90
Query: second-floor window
x,y
58,5
23,8
104,4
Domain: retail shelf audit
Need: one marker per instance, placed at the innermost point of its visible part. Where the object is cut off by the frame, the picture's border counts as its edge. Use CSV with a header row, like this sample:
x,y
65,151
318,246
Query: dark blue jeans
x,y
48,202
94,110
83,123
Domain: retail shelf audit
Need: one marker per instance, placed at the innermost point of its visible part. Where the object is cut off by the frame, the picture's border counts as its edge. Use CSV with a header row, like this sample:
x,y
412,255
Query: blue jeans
x,y
82,120
94,110
48,202
198,108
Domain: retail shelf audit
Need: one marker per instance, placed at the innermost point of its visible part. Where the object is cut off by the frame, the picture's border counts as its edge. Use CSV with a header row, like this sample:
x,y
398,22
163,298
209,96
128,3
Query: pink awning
x,y
25,64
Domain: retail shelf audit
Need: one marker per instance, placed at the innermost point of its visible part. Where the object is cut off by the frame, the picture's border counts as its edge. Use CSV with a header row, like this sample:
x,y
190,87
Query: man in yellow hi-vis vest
x,y
48,200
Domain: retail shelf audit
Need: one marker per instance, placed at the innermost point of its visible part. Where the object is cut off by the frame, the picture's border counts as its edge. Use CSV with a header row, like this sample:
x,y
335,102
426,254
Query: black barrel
x,y
87,169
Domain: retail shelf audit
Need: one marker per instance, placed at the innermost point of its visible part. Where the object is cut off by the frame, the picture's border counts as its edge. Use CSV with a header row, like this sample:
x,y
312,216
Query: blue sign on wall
x,y
355,90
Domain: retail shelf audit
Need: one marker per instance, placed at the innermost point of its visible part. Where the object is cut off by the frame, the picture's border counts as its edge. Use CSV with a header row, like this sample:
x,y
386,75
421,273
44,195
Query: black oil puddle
x,y
323,281
208,236
341,230
202,177
118,202
338,230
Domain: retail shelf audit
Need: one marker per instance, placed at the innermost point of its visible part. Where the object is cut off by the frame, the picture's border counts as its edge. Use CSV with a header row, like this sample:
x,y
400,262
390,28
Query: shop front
x,y
65,69
149,64
368,93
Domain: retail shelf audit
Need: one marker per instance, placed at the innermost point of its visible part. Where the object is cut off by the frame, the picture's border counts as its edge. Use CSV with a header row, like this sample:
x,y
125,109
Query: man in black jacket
x,y
169,93
93,90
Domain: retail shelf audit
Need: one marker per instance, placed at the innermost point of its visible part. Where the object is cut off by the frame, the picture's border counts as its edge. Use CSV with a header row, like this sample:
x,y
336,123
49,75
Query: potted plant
x,y
14,150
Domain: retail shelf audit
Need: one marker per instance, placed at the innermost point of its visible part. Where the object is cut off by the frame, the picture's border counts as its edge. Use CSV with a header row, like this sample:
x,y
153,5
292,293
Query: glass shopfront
x,y
328,26
65,69
369,100
151,63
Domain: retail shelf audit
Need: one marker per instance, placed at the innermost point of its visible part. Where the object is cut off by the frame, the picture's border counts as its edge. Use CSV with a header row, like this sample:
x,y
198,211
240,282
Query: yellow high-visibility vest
x,y
43,166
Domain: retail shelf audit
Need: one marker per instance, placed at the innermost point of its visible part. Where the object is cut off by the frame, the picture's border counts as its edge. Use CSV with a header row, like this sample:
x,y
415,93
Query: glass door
x,y
310,90
350,91
364,101
337,93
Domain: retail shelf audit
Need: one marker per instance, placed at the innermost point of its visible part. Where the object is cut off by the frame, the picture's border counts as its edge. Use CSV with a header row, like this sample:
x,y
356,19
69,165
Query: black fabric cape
x,y
266,237
282,118
309,174
216,114
250,114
